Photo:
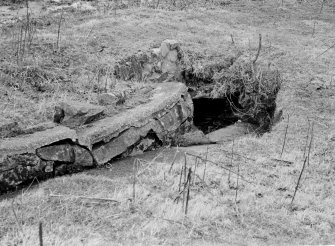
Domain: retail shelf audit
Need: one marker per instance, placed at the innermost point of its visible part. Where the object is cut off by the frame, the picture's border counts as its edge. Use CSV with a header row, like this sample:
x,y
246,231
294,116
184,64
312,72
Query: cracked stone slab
x,y
165,96
29,143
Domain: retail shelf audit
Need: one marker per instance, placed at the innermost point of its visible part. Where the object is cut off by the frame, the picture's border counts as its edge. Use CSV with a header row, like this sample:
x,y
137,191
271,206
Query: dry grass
x,y
262,215
259,213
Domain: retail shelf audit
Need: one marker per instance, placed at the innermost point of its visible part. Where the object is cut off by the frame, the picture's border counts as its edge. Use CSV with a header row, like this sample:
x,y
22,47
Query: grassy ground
x,y
295,38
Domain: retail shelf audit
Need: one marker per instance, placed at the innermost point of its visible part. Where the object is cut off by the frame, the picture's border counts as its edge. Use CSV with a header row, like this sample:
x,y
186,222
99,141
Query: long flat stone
x,y
165,96
29,143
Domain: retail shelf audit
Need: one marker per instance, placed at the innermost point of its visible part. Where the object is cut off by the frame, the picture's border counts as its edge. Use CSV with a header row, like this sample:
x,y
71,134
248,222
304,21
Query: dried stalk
x,y
84,197
232,39
259,50
59,26
40,233
195,169
188,189
203,175
181,176
231,161
310,144
297,186
237,178
322,4
288,121
185,179
306,144
174,160
134,179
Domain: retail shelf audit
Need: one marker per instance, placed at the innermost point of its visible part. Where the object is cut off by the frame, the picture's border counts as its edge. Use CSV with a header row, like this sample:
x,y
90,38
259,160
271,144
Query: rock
x,y
156,65
194,137
49,166
107,99
30,143
9,128
75,114
231,132
169,107
59,152
82,157
18,169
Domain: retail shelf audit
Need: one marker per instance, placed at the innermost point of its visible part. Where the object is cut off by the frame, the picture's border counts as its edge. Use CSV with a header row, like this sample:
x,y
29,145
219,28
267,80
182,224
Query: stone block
x,y
59,152
82,157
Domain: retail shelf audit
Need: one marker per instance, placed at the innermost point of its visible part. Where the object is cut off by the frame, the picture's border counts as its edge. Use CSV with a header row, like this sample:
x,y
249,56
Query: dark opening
x,y
211,114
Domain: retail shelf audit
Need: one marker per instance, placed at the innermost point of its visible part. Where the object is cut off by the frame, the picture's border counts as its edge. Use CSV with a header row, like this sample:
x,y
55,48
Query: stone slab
x,y
29,143
165,96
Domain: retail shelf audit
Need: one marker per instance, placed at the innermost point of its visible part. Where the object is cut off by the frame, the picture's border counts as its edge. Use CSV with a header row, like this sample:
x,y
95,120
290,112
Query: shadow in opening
x,y
211,114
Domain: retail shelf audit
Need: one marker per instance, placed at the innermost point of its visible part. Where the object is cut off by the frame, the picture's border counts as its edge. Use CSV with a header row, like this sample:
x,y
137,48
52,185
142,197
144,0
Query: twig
x,y
259,49
58,31
16,218
306,144
297,186
203,175
40,233
189,176
185,179
288,121
231,161
174,160
332,46
232,39
195,169
84,197
238,171
323,3
134,179
313,28
310,144
181,176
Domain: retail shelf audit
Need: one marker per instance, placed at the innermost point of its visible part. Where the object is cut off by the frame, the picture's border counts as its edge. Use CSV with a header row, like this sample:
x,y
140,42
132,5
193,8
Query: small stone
x,y
49,166
61,153
107,99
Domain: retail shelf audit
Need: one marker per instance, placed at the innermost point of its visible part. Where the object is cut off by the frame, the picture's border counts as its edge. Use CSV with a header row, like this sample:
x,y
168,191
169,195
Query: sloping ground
x,y
295,38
